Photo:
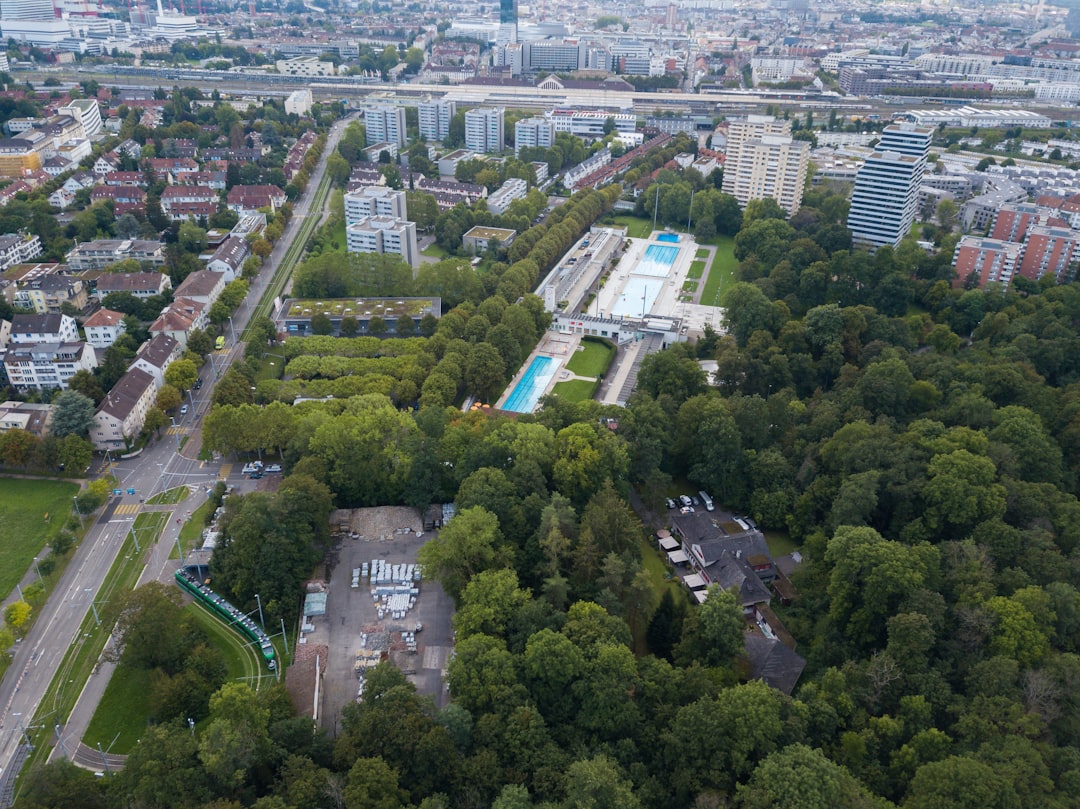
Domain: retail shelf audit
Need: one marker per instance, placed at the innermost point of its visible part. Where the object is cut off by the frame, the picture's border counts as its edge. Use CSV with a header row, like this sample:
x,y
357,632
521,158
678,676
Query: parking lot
x,y
352,623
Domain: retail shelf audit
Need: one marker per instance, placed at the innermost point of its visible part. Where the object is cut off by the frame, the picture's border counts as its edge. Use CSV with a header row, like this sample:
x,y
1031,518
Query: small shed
x,y
678,557
668,543
314,604
701,596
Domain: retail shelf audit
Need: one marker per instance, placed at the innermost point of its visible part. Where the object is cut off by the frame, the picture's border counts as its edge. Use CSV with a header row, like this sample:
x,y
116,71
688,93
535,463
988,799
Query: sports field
x,y
32,512
721,273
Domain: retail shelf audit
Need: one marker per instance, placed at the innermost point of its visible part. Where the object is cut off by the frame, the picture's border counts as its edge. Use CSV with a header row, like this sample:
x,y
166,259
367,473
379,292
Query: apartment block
x,y
767,167
384,234
531,133
886,195
484,130
1049,250
44,366
385,124
435,117
989,260
378,200
514,188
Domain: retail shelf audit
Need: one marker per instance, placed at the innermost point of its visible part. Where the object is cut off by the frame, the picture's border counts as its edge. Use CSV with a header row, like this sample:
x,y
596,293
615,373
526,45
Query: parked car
x,y
694,501
254,466
255,476
685,499
198,383
670,503
183,410
273,468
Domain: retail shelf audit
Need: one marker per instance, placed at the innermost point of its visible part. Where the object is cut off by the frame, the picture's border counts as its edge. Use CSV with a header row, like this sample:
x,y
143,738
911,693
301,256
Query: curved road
x,y
160,465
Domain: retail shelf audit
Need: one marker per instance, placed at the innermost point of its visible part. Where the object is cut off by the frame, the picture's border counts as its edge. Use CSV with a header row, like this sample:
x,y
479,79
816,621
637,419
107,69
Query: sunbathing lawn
x,y
592,359
722,272
576,390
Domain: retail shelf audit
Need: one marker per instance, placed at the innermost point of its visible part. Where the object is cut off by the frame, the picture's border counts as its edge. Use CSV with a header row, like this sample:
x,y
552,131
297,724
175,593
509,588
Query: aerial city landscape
x,y
571,405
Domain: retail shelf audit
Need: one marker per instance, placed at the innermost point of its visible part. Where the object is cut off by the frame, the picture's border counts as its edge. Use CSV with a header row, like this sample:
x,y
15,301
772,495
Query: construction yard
x,y
375,600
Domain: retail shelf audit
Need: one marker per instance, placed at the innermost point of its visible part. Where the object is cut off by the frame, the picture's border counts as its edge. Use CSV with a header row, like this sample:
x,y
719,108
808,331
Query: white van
x,y
707,501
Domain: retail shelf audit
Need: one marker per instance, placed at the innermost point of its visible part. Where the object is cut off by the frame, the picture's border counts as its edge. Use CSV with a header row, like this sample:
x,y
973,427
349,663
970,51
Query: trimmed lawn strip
x,y
697,269
702,253
123,713
636,227
689,286
24,532
592,359
191,532
576,390
721,273
177,495
433,250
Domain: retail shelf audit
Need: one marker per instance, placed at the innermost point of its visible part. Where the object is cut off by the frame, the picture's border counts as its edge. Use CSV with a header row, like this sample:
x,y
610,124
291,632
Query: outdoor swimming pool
x,y
657,260
637,297
668,237
528,391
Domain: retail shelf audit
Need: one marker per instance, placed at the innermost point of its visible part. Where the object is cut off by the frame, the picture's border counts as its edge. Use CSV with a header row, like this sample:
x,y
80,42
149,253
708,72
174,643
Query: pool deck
x,y
671,286
560,347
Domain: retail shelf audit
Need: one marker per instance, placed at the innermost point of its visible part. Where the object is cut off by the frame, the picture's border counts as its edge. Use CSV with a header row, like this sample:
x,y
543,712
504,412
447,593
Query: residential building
x,y
50,328
376,200
229,258
373,153
100,253
17,248
886,195
49,293
384,234
122,413
305,66
477,238
532,133
125,198
140,284
29,417
103,327
769,165
183,316
248,199
21,154
1012,220
177,199
484,129
203,286
385,124
47,365
435,117
448,163
298,102
514,188
157,354
1050,250
87,112
989,260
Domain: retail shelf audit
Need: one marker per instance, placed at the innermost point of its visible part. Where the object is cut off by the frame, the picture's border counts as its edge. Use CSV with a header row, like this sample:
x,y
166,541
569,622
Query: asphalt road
x,y
160,466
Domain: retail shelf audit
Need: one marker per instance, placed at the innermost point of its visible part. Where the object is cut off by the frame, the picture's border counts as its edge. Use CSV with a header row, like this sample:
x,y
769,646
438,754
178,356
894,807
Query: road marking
x,y
127,508
225,471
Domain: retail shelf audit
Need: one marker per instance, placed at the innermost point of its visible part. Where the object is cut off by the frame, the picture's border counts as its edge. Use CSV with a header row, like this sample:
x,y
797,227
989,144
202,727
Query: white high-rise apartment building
x,y
385,124
484,129
886,195
384,234
375,200
764,161
533,132
435,117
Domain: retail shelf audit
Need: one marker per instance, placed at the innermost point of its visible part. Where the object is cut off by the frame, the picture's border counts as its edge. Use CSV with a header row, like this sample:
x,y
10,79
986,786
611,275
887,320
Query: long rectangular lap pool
x,y
657,261
531,387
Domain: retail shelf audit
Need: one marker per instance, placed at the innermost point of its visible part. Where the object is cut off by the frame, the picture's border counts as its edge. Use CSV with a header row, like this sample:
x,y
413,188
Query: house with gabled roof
x,y
122,413
157,354
103,327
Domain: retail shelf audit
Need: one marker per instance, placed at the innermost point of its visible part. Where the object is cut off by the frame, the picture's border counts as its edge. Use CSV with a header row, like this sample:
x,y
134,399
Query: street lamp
x,y
259,602
40,577
161,471
93,606
78,511
232,329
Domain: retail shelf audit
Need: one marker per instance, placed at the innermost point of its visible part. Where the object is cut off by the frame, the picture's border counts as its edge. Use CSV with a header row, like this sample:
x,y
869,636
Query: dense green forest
x,y
918,441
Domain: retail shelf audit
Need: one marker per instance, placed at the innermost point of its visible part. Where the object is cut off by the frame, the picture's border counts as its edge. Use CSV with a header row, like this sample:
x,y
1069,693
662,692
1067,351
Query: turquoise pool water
x,y
668,237
657,261
531,387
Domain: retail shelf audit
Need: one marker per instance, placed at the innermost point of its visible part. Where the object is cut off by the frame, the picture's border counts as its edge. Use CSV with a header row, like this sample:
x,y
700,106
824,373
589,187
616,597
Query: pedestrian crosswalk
x,y
226,470
127,508
176,430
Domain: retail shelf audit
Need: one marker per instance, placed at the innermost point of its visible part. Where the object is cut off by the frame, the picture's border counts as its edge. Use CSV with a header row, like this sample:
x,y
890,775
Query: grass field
x,y
434,251
24,531
636,227
576,390
780,543
593,359
191,532
177,495
697,269
722,272
702,253
689,286
123,712
126,707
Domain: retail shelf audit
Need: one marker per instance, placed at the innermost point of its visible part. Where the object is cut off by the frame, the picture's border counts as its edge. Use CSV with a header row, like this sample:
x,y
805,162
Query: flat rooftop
x,y
360,307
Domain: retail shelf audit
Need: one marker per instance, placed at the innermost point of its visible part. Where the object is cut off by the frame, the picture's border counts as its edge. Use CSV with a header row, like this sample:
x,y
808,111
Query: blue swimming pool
x,y
668,237
657,261
528,391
